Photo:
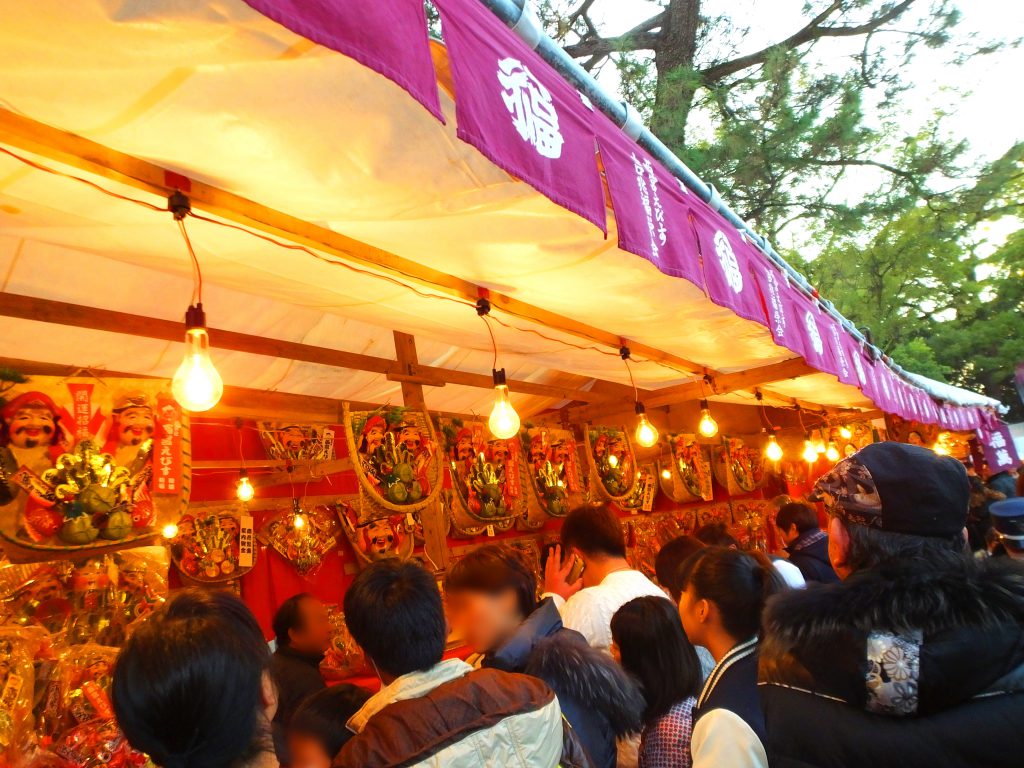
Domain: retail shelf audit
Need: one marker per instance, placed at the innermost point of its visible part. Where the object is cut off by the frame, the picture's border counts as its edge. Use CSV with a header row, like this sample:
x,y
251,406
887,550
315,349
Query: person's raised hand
x,y
556,575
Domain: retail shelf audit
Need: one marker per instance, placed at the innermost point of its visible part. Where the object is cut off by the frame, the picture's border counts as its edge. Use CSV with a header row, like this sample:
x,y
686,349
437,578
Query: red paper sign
x,y
167,448
388,37
520,113
650,210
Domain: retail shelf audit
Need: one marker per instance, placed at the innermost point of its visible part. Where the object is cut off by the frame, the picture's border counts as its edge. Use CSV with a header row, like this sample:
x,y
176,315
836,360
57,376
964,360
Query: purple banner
x,y
812,333
775,291
1000,452
388,37
725,263
651,215
519,112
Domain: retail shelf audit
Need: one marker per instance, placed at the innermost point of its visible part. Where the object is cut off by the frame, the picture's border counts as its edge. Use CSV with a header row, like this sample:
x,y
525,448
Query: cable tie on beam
x,y
528,27
633,124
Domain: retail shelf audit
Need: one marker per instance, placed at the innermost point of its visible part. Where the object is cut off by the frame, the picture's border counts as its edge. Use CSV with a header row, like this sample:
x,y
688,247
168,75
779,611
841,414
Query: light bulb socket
x,y
639,408
178,204
195,317
243,475
498,375
624,352
483,306
704,405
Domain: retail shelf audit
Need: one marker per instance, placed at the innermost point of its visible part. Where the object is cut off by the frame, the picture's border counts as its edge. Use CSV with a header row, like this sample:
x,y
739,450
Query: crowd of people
x,y
896,646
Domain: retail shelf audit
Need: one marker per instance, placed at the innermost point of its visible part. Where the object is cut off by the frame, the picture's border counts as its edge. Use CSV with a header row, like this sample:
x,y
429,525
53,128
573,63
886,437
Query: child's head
x,y
317,732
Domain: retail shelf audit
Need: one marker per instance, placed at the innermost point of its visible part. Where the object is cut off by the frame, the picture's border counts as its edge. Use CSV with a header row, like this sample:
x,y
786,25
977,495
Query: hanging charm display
x,y
86,468
611,463
214,546
487,493
554,470
739,468
686,477
302,537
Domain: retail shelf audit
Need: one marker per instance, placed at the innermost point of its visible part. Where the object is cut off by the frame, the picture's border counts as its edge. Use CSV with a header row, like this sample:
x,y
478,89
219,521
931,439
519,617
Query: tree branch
x,y
815,30
639,38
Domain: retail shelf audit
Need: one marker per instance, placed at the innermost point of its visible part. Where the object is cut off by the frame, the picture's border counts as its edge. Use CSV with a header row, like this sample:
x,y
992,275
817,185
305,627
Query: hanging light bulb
x,y
646,433
845,433
708,427
810,454
819,443
832,452
243,488
666,474
197,386
299,521
504,421
613,461
170,531
773,451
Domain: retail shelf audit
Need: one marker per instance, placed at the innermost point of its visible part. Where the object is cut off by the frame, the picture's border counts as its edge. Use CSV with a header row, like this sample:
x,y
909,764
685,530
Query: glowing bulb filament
x,y
832,452
666,474
810,452
646,434
504,421
708,427
196,385
170,531
773,451
299,522
244,490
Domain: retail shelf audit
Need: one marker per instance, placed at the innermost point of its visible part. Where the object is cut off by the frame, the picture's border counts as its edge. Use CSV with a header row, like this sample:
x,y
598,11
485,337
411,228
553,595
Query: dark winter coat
x,y
913,664
600,701
297,675
809,553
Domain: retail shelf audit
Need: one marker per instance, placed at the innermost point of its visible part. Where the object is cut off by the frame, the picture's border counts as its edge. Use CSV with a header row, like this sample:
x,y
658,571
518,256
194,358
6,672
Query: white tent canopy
x,y
224,96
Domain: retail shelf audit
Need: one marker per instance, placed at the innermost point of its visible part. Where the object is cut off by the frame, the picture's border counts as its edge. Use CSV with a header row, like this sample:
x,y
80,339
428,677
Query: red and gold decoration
x,y
395,459
213,546
554,469
611,463
739,468
687,475
287,441
377,537
303,537
344,657
88,465
488,492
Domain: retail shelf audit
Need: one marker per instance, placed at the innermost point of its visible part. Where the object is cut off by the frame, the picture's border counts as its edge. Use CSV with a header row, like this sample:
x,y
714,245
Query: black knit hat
x,y
899,488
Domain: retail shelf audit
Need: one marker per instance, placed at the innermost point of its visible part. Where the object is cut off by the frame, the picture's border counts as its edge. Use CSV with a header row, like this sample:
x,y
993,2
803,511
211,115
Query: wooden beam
x,y
95,318
435,534
720,384
85,154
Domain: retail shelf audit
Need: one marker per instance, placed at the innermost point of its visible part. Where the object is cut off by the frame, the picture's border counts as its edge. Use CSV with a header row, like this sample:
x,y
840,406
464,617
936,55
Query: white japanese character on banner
x,y
996,440
727,259
529,103
1003,458
812,333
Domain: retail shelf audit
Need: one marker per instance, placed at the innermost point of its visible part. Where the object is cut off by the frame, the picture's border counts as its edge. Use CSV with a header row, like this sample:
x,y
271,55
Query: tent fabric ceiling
x,y
224,95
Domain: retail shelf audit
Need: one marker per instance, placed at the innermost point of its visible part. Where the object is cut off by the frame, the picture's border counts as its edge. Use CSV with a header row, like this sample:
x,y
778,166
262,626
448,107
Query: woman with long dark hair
x,y
192,686
491,597
724,593
650,644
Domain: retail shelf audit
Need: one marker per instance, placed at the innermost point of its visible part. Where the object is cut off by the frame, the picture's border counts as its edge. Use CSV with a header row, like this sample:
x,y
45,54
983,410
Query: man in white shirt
x,y
593,535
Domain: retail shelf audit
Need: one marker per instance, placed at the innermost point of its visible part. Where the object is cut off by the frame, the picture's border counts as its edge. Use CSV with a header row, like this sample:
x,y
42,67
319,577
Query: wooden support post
x,y
435,540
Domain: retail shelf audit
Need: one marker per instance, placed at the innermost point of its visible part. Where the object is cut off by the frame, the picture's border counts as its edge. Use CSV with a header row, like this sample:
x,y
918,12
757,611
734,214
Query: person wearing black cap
x,y
1008,525
916,658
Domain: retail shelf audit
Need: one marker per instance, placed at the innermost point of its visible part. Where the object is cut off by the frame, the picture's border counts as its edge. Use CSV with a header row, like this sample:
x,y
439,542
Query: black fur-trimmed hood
x,y
573,669
967,614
